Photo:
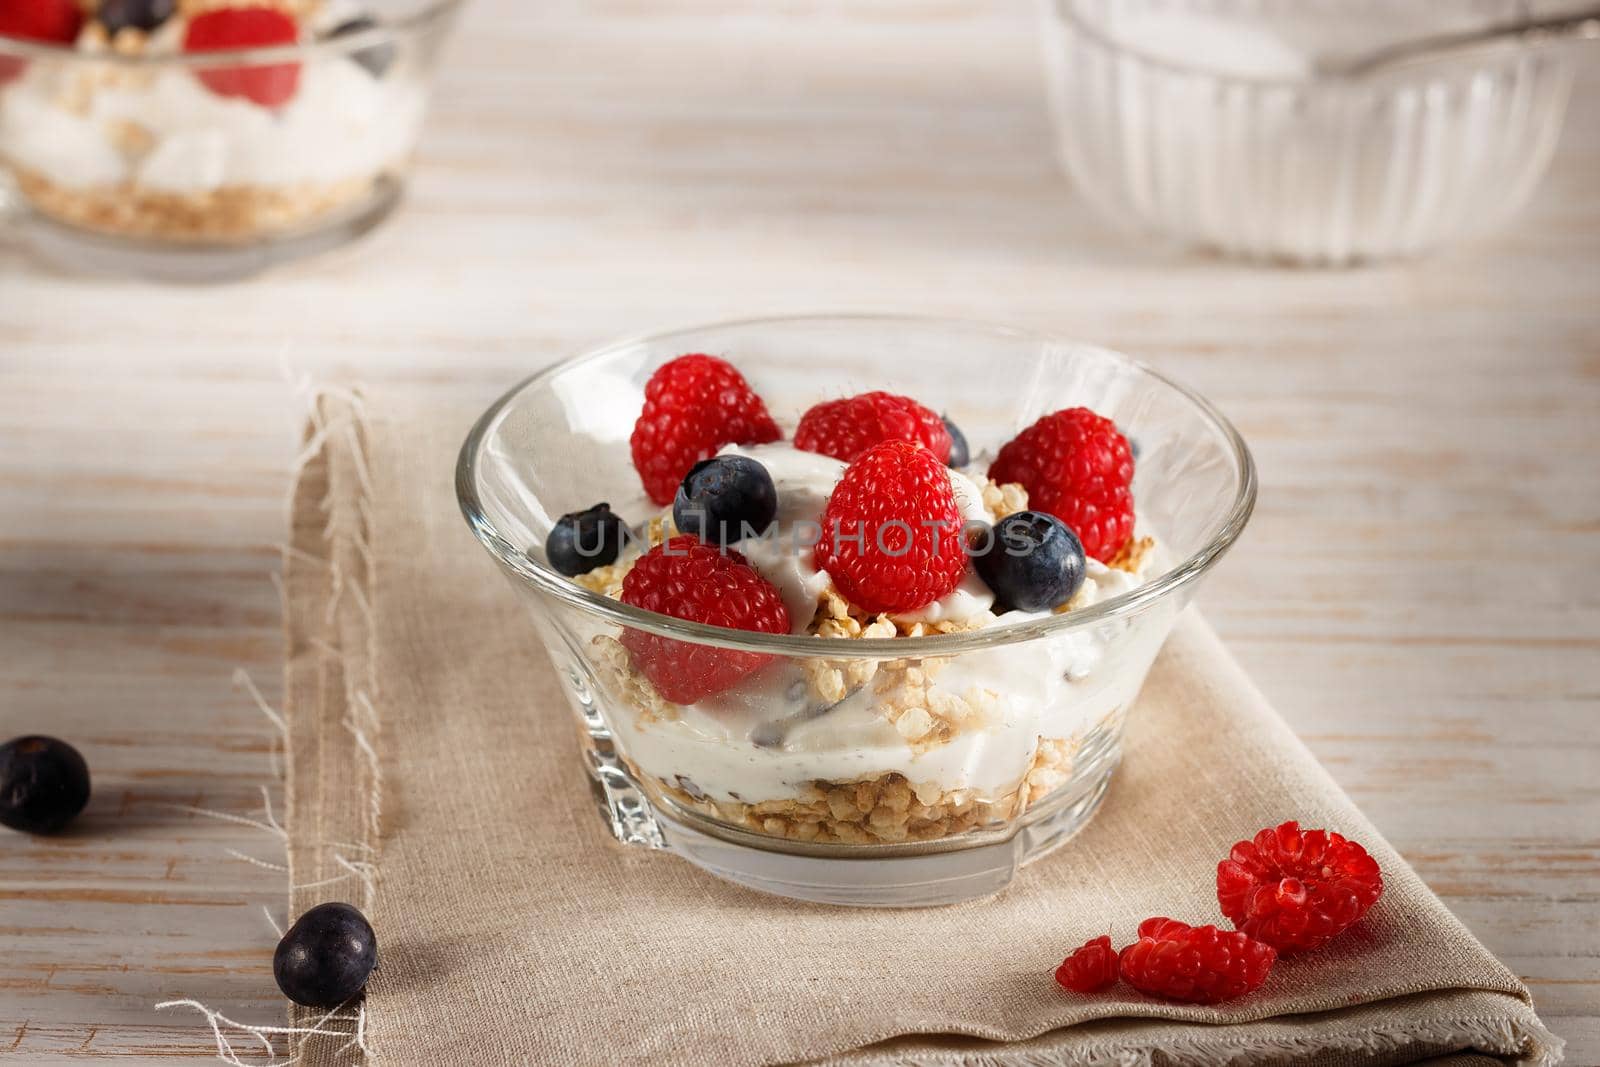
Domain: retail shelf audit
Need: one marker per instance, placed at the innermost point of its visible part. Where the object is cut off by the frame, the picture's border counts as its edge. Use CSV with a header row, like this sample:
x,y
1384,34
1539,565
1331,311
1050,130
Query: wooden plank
x,y
1417,592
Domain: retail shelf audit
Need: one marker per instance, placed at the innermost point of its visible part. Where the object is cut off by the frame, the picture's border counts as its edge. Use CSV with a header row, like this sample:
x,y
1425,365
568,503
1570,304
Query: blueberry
x,y
959,456
1033,562
44,783
580,541
377,58
725,498
326,956
143,15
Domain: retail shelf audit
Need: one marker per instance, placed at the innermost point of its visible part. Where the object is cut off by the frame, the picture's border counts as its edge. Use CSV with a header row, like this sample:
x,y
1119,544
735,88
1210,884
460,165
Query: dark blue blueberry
x,y
1133,447
725,498
143,15
580,541
44,783
1033,562
326,956
377,58
959,456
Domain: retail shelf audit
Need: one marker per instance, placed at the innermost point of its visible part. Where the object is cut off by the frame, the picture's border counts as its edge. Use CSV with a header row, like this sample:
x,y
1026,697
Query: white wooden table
x,y
1417,592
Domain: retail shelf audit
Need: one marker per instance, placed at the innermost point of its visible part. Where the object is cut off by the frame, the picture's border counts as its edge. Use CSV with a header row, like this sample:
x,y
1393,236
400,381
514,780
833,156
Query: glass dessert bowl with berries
x,y
207,139
853,609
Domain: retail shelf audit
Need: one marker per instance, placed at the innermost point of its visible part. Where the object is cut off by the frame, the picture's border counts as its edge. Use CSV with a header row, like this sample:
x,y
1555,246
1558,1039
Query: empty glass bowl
x,y
893,771
131,152
1212,121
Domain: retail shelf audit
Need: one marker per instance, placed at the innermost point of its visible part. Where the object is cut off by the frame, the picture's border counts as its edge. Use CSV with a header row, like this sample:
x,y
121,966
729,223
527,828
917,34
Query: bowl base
x,y
905,881
85,251
892,876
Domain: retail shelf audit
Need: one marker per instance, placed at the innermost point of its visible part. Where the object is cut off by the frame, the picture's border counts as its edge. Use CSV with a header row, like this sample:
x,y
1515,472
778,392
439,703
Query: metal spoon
x,y
1575,26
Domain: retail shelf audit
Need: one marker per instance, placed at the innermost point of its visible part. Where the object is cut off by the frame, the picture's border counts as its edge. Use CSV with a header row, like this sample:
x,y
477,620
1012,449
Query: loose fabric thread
x,y
355,859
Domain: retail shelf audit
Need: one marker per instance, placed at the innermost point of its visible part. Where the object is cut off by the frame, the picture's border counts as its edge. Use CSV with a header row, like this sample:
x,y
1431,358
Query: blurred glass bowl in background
x,y
1210,121
126,152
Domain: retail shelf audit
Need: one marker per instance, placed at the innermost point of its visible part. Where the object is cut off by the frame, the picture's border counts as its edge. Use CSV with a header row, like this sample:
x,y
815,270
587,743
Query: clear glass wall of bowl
x,y
1198,120
146,159
841,750
948,760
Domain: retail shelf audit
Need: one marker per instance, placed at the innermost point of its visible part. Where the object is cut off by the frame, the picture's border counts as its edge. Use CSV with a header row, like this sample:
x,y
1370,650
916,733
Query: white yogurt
x,y
44,137
1056,687
971,598
341,124
784,557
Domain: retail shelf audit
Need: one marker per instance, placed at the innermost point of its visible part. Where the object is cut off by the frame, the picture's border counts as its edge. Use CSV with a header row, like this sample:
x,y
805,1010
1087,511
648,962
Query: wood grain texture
x,y
1417,593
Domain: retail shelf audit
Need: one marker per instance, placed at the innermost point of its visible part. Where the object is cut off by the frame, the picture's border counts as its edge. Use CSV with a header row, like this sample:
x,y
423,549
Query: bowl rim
x,y
546,580
427,16
1068,12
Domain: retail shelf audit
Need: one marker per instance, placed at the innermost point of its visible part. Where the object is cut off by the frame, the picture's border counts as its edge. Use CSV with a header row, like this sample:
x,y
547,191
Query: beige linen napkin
x,y
435,777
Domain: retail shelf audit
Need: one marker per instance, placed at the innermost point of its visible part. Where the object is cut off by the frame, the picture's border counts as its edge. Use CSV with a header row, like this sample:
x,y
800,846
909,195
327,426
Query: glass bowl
x,y
1207,121
127,154
905,771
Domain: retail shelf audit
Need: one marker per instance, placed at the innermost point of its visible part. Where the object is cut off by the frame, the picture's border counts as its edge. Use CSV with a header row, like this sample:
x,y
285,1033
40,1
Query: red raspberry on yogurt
x,y
846,428
689,579
1077,466
891,533
246,27
693,406
45,21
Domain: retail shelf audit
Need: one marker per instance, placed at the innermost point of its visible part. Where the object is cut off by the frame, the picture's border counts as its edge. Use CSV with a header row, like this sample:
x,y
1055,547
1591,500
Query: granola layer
x,y
887,809
230,213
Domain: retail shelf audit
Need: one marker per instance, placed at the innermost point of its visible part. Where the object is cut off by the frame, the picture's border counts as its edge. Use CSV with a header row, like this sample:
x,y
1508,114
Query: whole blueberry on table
x,y
326,957
376,58
1033,562
143,15
960,456
44,783
580,541
725,498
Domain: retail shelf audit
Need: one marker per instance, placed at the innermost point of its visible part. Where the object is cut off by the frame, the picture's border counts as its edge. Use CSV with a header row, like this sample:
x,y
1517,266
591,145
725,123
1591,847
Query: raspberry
x,y
246,27
1297,889
1089,969
693,405
1077,466
1197,964
688,579
846,428
891,533
48,21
